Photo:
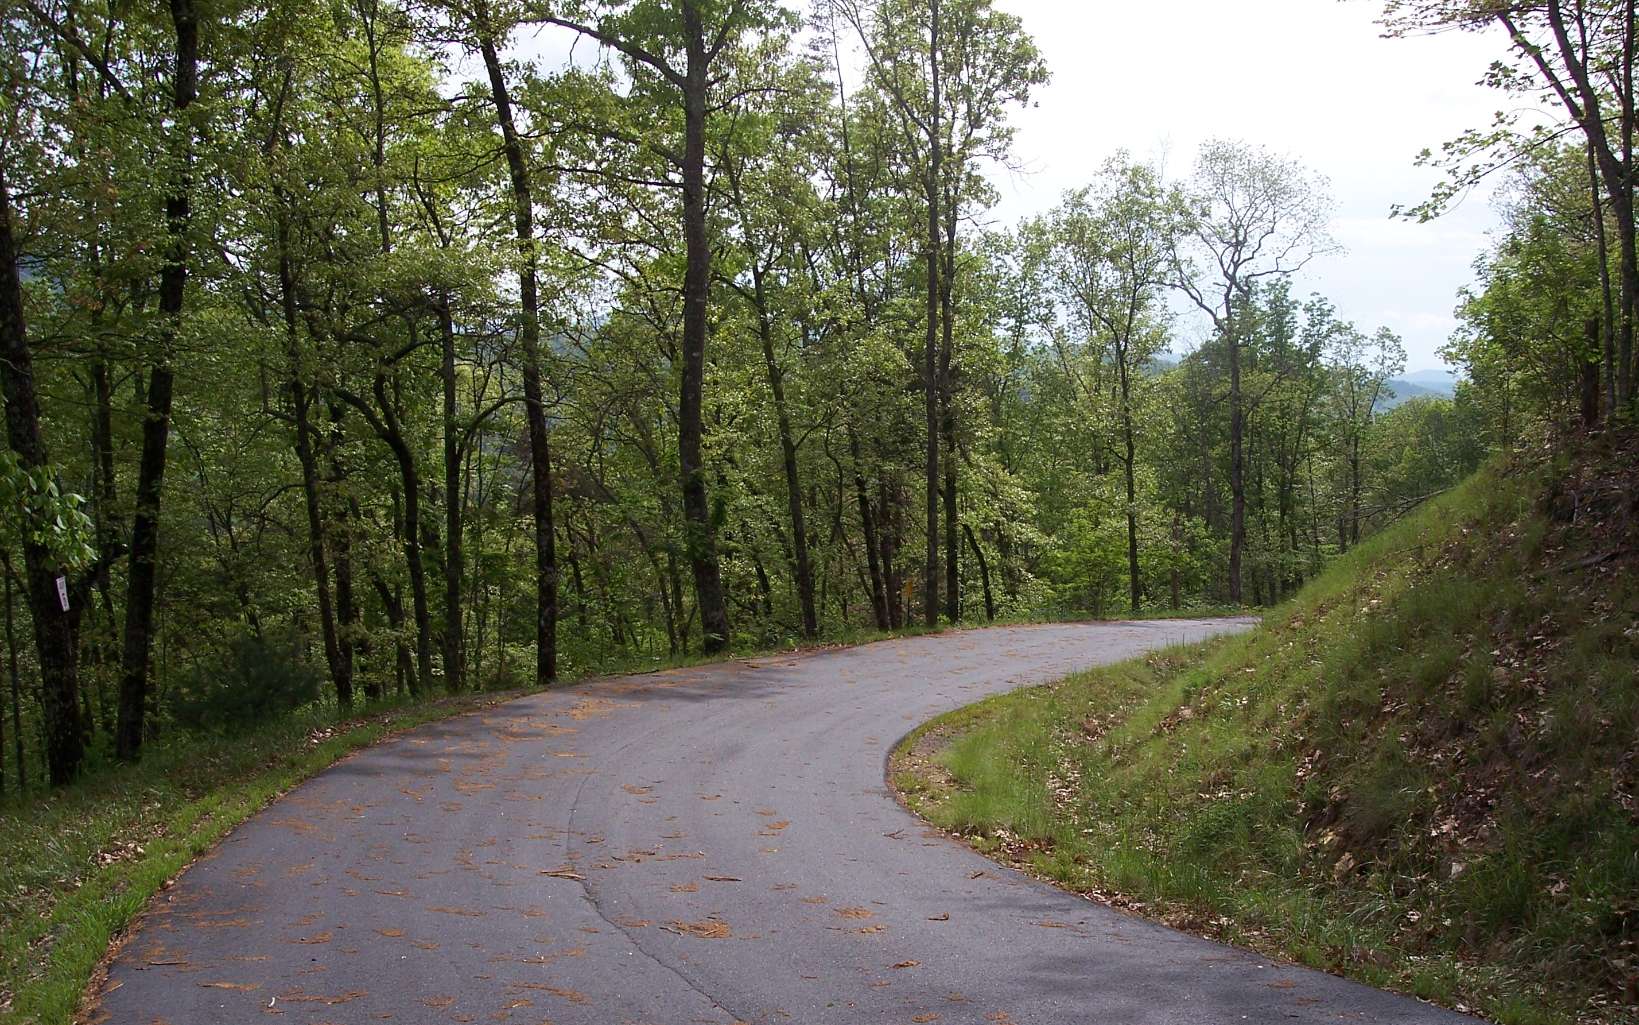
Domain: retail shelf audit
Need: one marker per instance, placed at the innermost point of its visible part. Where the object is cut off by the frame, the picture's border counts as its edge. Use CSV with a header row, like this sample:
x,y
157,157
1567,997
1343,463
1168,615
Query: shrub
x,y
257,680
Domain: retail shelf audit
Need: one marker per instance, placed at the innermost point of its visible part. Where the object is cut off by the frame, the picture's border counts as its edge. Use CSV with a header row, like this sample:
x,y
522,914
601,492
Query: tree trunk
x,y
930,345
1588,378
1135,586
765,588
349,616
984,572
890,520
579,583
454,570
341,675
675,619
788,456
1607,330
1354,489
1615,169
1237,468
529,335
879,595
16,680
392,433
11,656
156,427
392,602
1628,369
1176,580
699,529
108,521
55,626
947,413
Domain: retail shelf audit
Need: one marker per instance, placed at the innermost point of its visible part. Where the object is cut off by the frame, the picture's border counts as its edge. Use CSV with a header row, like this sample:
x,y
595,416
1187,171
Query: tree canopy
x,y
348,341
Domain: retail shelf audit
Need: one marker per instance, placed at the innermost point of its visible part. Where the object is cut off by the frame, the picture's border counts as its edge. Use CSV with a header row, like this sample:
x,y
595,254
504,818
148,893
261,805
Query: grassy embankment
x,y
1421,772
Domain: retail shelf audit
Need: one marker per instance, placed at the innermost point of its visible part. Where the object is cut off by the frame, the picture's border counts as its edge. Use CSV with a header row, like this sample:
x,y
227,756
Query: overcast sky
x,y
1311,79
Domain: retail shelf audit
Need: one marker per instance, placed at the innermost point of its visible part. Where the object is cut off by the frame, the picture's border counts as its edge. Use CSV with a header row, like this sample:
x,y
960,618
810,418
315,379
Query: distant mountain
x,y
1159,364
1443,382
1405,390
1419,384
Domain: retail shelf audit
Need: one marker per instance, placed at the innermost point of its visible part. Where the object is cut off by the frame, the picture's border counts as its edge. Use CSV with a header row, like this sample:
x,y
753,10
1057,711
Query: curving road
x,y
710,845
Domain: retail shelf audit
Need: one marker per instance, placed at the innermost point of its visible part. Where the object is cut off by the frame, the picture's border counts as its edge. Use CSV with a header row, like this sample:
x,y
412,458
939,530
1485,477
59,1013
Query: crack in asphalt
x,y
592,900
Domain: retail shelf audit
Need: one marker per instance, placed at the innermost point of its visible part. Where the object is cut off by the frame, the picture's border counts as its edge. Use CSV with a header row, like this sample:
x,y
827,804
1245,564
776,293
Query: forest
x,y
360,350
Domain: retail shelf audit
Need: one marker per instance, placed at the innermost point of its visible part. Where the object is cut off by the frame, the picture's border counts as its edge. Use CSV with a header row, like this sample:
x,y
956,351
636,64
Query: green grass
x,y
1419,773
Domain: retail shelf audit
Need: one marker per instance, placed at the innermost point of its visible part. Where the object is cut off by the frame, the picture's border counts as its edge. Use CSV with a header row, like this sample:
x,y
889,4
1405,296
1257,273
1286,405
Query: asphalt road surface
x,y
710,845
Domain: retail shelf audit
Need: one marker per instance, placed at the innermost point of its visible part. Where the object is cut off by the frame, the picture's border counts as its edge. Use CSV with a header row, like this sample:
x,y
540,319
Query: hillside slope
x,y
1421,772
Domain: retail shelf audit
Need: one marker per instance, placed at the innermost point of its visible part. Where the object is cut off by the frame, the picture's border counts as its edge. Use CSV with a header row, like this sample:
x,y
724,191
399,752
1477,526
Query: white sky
x,y
1311,79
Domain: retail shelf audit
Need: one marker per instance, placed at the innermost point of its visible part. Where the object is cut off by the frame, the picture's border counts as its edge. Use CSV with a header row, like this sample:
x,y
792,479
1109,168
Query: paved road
x,y
711,845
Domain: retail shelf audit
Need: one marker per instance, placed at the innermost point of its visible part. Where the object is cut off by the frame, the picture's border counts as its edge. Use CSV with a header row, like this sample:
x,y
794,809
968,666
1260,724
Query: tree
x,y
50,552
1580,53
1362,366
652,35
951,69
1110,249
1254,217
1530,332
139,605
701,307
773,206
485,34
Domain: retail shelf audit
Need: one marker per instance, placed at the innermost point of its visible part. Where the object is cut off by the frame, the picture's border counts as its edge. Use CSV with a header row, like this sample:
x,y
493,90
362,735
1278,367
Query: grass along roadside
x,y
1419,774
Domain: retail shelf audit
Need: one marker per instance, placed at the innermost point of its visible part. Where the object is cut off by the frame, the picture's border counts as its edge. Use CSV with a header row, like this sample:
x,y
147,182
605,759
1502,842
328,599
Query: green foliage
x,y
37,510
257,681
353,283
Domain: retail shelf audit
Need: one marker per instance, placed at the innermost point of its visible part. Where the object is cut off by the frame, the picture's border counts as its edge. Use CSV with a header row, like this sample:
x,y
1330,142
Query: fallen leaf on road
x,y
562,873
907,964
707,930
320,998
